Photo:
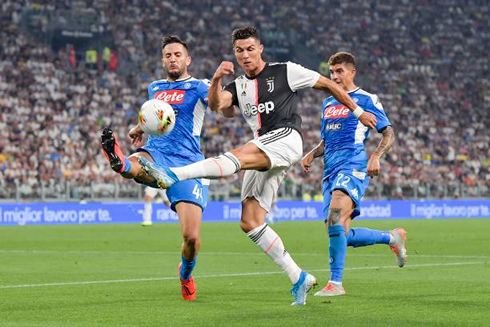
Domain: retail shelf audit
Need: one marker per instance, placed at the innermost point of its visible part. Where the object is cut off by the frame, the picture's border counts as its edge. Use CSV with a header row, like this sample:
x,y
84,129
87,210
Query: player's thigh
x,y
259,191
283,147
189,199
262,185
251,157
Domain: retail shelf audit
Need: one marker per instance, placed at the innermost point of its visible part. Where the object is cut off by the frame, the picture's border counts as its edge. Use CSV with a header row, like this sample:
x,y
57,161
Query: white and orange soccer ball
x,y
156,117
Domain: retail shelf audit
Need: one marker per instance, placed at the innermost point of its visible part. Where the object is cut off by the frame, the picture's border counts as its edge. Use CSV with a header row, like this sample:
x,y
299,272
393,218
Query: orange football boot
x,y
188,287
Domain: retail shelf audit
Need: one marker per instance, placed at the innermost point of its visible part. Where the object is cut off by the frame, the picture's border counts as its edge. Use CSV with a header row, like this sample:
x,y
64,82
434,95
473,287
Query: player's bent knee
x,y
247,226
191,239
334,216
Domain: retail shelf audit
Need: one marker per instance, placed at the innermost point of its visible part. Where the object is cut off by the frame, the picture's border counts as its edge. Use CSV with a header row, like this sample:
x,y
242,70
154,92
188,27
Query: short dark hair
x,y
243,33
342,58
168,39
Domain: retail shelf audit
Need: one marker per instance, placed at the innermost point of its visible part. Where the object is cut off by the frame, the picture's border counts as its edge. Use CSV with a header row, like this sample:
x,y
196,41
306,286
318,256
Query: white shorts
x,y
153,192
284,147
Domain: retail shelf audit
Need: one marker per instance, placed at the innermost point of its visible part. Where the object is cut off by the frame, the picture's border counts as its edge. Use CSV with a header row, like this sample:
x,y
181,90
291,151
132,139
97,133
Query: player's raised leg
x,y
127,167
248,156
396,239
190,223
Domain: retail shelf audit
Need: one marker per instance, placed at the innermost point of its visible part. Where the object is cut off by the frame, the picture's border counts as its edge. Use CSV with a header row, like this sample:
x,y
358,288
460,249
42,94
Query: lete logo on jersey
x,y
170,96
339,111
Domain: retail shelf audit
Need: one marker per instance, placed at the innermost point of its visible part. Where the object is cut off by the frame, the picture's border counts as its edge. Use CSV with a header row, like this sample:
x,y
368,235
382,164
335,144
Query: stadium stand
x,y
64,76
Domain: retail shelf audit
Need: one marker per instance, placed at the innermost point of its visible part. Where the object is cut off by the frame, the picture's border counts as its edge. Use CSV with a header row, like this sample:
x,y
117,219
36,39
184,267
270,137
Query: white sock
x,y
148,210
272,245
392,240
335,283
212,168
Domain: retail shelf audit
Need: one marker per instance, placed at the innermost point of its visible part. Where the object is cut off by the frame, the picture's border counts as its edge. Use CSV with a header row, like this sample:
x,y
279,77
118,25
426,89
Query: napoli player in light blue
x,y
347,169
188,97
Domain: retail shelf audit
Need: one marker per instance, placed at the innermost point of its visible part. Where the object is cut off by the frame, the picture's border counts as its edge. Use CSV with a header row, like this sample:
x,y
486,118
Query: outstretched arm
x,y
338,93
310,156
383,148
219,99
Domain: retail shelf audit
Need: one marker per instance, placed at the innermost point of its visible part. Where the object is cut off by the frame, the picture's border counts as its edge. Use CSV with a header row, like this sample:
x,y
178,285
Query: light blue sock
x,y
186,268
364,236
127,165
337,249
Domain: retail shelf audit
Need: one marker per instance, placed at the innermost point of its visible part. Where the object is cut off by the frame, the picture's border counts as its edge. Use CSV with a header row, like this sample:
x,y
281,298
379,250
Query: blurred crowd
x,y
426,60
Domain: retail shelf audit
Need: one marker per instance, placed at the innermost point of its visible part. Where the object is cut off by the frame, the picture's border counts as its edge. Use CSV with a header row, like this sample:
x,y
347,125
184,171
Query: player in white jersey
x,y
150,194
188,98
267,97
347,170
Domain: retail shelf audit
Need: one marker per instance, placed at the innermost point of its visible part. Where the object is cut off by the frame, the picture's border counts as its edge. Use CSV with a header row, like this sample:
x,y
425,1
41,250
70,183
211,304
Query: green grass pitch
x,y
126,275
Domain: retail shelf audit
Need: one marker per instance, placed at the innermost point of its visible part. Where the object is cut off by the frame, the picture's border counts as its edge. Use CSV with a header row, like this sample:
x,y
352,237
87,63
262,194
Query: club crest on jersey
x,y
339,111
270,84
170,96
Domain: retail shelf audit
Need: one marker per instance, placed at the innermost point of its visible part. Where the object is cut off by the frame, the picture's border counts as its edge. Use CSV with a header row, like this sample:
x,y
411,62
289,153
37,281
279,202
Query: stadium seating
x,y
428,64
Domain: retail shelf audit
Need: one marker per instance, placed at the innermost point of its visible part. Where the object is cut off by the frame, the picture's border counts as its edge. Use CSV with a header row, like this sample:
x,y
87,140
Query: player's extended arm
x,y
383,148
310,156
218,99
326,84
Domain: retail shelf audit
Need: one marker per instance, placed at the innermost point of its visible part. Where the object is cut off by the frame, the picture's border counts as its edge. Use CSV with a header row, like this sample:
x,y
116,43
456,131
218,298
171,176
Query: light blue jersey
x,y
345,158
182,146
344,135
188,99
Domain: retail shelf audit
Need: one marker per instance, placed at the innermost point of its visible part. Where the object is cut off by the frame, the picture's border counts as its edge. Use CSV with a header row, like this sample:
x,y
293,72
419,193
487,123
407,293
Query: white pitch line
x,y
413,255
232,275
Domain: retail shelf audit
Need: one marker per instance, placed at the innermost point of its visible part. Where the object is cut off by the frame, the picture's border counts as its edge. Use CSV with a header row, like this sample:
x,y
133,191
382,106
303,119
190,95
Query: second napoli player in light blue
x,y
347,169
188,98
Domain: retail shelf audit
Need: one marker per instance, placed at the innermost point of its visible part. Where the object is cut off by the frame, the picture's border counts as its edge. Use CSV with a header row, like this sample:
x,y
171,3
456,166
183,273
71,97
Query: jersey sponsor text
x,y
339,111
171,96
252,110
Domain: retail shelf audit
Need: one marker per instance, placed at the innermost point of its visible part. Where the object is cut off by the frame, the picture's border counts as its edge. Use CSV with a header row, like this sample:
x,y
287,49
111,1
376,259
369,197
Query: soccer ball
x,y
156,117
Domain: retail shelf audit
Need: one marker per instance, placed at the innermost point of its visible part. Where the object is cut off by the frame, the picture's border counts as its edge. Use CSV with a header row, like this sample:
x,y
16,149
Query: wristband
x,y
358,112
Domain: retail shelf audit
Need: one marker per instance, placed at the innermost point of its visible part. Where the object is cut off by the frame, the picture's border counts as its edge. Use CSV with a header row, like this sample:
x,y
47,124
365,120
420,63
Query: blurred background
x,y
68,68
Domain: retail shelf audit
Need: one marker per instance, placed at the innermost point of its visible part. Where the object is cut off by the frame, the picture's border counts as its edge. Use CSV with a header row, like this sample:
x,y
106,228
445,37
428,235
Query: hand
x,y
373,167
368,119
307,161
136,135
225,68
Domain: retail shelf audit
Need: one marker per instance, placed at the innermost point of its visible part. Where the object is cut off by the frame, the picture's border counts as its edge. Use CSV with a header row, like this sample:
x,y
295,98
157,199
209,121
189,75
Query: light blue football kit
x,y
182,146
345,169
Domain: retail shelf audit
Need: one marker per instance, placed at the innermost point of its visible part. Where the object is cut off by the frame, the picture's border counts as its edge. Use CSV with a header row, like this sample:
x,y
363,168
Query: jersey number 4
x,y
197,192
